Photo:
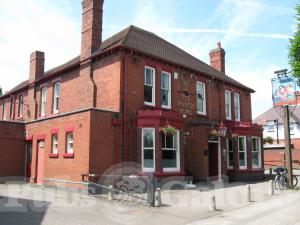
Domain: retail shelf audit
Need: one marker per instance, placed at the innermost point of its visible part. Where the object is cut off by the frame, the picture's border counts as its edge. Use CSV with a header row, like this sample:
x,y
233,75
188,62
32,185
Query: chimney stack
x,y
37,64
217,58
91,36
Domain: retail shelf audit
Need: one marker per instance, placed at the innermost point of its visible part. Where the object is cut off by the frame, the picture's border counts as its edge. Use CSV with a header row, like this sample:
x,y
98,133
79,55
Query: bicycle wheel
x,y
282,183
276,182
295,181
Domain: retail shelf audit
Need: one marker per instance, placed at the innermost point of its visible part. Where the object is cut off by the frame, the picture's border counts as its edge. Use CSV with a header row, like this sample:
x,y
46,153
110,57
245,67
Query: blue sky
x,y
254,34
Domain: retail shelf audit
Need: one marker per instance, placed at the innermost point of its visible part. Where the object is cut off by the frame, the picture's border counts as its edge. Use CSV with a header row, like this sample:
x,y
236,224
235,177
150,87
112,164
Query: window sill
x,y
51,155
68,155
20,118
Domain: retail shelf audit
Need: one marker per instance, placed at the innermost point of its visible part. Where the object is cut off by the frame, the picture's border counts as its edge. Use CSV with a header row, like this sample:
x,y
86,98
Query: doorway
x,y
28,160
40,162
213,159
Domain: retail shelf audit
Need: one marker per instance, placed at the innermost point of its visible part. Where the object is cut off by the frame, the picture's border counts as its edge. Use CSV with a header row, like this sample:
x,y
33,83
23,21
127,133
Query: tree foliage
x,y
1,92
294,49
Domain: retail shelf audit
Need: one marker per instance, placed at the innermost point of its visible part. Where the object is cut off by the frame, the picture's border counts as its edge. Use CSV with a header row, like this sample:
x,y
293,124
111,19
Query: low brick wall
x,y
12,149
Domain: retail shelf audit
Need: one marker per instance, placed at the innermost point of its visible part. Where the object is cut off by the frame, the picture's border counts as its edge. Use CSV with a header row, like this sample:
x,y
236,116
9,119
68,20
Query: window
x,y
149,86
166,90
271,125
54,149
237,108
4,110
69,149
11,111
170,152
56,95
256,152
43,101
242,152
20,106
229,154
148,147
228,105
201,98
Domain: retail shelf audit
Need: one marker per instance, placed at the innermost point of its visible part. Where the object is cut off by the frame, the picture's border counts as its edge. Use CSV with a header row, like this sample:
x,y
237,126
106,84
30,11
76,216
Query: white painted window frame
x,y
54,147
245,151
259,152
204,97
4,113
237,107
56,97
169,90
20,105
70,150
147,148
177,168
229,116
153,85
43,101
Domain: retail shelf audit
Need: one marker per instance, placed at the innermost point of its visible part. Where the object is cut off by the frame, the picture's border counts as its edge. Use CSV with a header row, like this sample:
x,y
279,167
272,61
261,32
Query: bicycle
x,y
281,180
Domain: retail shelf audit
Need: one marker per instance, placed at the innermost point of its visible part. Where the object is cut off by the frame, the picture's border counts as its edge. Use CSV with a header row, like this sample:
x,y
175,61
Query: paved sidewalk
x,y
26,204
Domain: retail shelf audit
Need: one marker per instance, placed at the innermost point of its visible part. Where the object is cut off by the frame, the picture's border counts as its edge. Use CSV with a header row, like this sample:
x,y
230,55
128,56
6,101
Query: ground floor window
x,y
69,149
170,152
54,149
242,146
148,147
229,154
256,152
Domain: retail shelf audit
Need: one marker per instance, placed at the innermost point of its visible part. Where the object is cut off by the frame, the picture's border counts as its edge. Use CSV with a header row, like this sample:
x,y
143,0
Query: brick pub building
x,y
108,105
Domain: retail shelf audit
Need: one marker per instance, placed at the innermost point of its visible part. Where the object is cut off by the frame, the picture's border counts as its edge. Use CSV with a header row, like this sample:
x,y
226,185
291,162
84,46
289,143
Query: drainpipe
x,y
125,105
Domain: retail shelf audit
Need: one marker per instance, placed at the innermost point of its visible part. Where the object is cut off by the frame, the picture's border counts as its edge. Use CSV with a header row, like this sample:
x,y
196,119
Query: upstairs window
x,y
56,95
237,108
271,125
292,129
201,98
11,111
43,101
149,86
69,138
54,149
228,105
166,90
20,106
4,111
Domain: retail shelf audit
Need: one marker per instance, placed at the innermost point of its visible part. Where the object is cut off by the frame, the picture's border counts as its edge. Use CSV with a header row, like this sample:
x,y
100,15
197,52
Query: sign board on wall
x,y
283,91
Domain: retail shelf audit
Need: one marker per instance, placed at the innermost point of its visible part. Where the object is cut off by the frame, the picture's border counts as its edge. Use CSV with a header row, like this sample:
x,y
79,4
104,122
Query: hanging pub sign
x,y
283,91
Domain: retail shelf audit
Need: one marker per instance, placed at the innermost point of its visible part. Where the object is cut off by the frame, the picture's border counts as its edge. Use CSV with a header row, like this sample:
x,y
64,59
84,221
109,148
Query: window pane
x,y
242,159
176,140
148,158
255,159
254,144
148,76
169,141
165,81
57,89
230,158
148,138
169,158
241,144
200,105
165,97
147,93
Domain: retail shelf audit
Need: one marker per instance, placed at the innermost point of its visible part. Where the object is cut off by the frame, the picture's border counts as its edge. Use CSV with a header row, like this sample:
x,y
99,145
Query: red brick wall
x,y
12,149
277,158
63,168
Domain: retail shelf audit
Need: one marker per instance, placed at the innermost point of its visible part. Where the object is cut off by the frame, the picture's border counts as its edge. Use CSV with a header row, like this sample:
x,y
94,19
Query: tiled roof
x,y
277,113
148,43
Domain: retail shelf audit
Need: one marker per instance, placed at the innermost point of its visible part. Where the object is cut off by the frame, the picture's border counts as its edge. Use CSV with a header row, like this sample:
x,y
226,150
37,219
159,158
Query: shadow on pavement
x,y
17,211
